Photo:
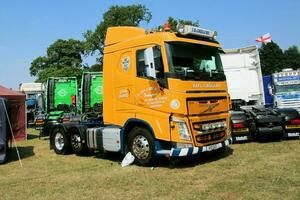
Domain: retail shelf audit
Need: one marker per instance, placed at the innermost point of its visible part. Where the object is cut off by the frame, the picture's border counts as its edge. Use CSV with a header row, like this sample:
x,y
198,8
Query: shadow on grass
x,y
269,140
192,161
44,138
183,162
25,152
31,136
111,156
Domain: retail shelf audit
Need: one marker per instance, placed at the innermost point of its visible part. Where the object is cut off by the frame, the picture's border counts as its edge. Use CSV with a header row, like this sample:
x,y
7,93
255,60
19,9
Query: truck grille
x,y
207,105
210,137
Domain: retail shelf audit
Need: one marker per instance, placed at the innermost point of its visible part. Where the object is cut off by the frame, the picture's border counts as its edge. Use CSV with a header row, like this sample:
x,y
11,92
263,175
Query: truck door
x,y
149,67
151,99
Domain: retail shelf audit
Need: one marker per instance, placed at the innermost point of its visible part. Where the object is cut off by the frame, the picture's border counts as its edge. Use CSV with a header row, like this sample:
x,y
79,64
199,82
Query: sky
x,y
28,27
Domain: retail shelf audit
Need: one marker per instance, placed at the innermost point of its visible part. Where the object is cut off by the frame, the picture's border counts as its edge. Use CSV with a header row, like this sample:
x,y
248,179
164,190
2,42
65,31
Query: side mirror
x,y
149,63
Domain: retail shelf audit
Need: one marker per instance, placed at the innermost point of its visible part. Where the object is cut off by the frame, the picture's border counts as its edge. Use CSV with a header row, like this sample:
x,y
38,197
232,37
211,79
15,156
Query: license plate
x,y
293,134
292,126
213,147
240,130
241,138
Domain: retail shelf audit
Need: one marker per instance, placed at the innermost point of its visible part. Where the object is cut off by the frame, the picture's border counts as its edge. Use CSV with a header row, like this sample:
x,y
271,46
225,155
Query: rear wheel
x,y
60,141
141,145
78,143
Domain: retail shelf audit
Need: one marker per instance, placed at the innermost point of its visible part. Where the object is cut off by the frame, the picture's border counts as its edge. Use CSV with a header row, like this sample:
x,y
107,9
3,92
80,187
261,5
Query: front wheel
x,y
141,145
60,141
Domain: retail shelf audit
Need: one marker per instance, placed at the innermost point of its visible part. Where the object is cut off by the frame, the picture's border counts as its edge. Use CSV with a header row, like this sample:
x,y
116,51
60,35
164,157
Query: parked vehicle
x,y
282,89
165,94
34,100
291,122
240,123
243,74
91,95
60,103
265,123
251,98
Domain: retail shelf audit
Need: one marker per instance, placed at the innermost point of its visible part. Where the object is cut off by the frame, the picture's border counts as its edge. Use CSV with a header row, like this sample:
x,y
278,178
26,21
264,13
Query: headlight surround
x,y
182,129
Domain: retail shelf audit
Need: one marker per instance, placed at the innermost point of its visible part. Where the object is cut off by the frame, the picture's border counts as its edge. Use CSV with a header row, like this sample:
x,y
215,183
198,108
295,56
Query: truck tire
x,y
60,141
141,145
78,143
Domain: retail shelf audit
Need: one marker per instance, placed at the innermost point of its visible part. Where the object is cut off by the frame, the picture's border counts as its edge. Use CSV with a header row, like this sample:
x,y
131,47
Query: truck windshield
x,y
194,62
287,88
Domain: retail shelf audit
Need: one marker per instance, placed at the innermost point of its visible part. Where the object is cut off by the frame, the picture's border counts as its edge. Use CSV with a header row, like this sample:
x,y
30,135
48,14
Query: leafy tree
x,y
95,68
130,15
271,57
292,58
173,23
64,58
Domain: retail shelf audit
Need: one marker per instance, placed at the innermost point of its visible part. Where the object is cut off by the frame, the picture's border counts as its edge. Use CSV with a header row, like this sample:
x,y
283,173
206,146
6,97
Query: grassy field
x,y
247,171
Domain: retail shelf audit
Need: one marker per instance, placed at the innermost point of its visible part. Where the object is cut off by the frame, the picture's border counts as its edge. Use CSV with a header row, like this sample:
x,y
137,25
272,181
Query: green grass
x,y
248,171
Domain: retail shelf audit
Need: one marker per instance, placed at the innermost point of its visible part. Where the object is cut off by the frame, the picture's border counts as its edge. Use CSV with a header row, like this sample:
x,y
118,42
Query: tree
x,y
130,15
173,23
95,68
292,58
63,59
271,57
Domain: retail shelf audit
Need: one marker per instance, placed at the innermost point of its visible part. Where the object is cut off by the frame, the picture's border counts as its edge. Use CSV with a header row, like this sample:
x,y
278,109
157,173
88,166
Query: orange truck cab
x,y
164,93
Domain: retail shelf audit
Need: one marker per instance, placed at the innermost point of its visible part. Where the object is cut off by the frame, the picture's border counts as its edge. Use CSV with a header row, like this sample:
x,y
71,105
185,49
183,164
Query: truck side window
x,y
147,62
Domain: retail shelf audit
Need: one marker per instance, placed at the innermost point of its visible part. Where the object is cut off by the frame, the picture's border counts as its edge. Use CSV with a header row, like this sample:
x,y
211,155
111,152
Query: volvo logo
x,y
210,107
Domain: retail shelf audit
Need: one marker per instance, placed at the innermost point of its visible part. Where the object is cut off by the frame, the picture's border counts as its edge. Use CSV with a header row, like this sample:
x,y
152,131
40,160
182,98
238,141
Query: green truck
x,y
61,94
60,102
91,93
63,104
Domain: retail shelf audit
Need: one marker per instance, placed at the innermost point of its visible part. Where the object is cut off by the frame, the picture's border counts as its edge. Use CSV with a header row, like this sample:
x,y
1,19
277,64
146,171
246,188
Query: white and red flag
x,y
264,39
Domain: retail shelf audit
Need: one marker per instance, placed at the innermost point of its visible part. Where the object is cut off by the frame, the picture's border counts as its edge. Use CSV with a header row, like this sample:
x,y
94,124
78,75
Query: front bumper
x,y
180,152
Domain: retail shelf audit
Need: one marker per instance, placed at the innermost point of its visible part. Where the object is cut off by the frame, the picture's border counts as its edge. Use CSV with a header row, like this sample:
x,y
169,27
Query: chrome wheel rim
x,y
140,147
59,141
76,141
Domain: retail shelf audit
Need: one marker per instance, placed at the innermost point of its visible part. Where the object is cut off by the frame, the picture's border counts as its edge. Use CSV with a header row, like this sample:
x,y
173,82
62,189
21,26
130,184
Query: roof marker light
x,y
167,26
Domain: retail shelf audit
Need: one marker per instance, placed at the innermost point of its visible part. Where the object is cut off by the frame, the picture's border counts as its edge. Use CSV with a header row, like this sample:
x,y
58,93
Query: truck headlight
x,y
182,129
213,125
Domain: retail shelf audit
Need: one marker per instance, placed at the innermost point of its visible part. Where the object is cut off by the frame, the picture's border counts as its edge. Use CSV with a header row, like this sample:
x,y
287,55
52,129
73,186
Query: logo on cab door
x,y
206,85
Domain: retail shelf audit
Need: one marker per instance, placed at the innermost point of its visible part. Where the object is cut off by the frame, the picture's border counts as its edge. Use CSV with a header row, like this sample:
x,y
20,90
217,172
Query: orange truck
x,y
164,94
